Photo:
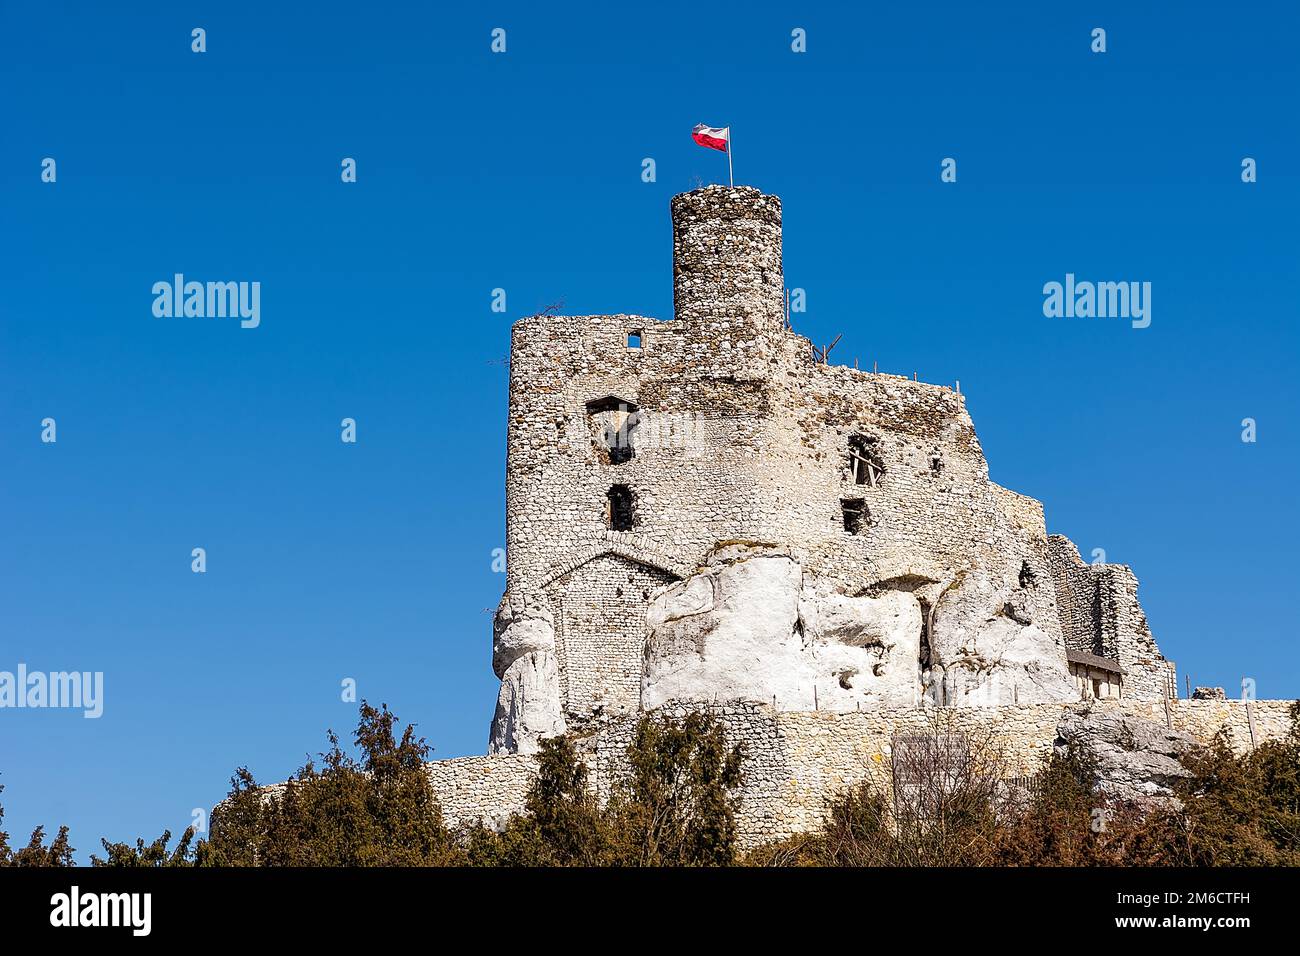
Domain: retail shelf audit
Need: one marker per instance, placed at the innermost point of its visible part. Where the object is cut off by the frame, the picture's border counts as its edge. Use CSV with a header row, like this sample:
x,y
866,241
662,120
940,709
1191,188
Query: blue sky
x,y
523,171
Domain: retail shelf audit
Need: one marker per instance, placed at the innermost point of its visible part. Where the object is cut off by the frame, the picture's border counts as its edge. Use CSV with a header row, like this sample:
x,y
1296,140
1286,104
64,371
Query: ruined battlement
x,y
886,566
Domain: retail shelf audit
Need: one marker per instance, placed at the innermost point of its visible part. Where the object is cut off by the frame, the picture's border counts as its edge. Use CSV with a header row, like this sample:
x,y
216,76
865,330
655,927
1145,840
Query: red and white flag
x,y
719,139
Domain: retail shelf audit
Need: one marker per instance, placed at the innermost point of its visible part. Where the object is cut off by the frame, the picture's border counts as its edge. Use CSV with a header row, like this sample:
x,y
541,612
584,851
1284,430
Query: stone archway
x,y
599,606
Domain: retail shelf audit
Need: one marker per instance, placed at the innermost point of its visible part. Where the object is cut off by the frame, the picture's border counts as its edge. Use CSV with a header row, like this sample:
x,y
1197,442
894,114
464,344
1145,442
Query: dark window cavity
x,y
865,464
621,508
856,515
613,425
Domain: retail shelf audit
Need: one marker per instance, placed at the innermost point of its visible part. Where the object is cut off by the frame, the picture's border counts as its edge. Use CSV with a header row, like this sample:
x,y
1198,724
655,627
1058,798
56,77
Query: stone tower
x,y
727,260
697,507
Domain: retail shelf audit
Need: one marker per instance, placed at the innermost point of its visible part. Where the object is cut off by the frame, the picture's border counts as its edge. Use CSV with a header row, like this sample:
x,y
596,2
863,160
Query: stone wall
x,y
482,789
797,760
1147,674
727,276
1099,612
600,630
1078,599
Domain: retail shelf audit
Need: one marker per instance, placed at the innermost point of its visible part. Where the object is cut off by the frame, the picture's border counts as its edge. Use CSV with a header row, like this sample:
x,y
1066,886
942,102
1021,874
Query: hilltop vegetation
x,y
676,806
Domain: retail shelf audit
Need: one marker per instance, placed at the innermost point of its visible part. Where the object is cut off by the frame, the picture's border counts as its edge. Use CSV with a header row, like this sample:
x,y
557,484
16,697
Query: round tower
x,y
727,257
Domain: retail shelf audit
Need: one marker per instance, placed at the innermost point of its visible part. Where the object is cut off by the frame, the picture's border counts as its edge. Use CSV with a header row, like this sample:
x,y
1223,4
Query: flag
x,y
712,138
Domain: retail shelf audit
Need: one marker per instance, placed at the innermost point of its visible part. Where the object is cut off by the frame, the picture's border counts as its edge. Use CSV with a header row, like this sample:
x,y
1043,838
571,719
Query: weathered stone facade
x,y
643,453
1102,621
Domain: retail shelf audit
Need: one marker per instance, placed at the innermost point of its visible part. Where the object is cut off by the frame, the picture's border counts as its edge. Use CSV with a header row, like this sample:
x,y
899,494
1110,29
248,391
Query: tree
x,y
1066,821
1237,810
152,854
36,853
561,824
675,805
379,810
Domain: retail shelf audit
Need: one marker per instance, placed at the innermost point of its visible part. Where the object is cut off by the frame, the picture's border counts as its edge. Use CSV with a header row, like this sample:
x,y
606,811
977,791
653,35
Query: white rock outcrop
x,y
1135,759
529,706
726,633
754,628
870,645
986,651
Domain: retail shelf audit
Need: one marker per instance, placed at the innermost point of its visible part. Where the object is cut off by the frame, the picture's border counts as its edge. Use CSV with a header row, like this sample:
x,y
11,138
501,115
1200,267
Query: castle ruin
x,y
704,509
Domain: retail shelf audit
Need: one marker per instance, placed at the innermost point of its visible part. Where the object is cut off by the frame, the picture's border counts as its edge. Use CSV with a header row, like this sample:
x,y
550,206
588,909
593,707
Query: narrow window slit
x,y
620,508
856,514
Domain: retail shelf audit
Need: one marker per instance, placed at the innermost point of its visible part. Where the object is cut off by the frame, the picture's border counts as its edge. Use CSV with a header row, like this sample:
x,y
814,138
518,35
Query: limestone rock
x,y
521,626
869,645
986,651
529,705
726,633
1137,759
754,629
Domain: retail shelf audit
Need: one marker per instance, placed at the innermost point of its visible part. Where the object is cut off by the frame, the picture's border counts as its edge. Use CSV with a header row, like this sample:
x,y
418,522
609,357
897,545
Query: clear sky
x,y
522,171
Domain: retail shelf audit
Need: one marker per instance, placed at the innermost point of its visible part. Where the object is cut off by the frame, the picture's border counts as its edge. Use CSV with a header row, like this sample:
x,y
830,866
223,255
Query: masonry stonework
x,y
796,762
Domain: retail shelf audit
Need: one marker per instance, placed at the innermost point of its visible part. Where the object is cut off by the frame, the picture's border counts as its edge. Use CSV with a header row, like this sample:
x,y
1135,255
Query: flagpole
x,y
730,179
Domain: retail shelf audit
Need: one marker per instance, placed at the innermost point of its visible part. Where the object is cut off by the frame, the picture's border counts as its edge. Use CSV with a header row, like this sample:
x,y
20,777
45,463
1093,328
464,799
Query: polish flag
x,y
712,138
